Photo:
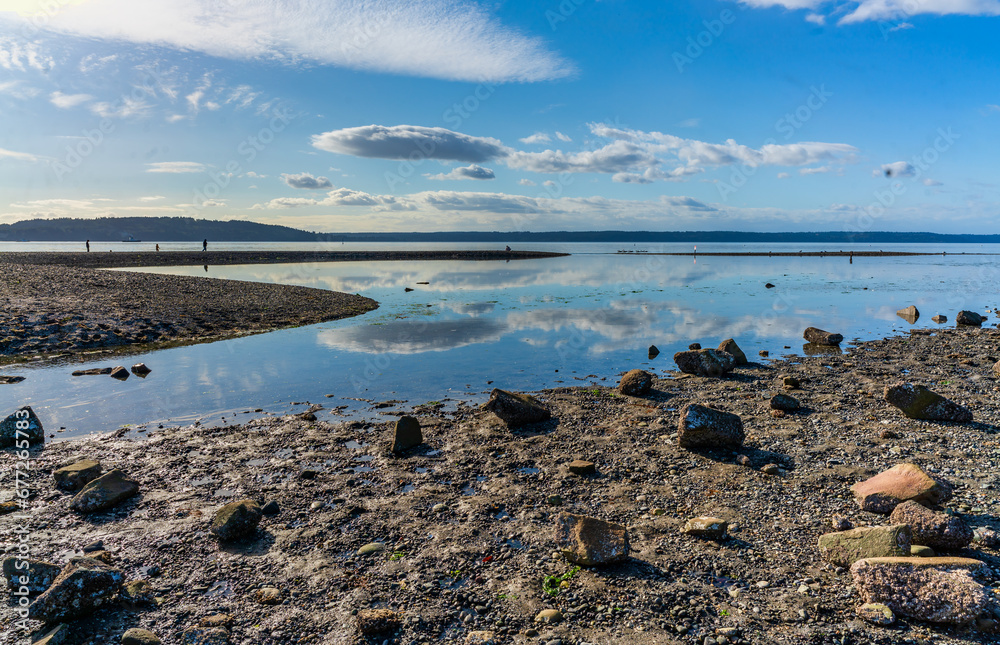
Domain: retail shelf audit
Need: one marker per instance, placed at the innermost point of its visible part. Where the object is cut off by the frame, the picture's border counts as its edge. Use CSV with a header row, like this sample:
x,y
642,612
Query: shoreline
x,y
478,563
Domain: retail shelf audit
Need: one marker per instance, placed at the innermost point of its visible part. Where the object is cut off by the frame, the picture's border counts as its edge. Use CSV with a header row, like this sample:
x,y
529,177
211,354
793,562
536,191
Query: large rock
x,y
784,403
635,383
407,434
236,520
927,589
847,547
700,428
119,372
933,529
729,346
35,576
820,337
917,402
969,319
104,492
77,475
910,314
705,362
136,636
83,586
515,409
589,542
903,482
30,428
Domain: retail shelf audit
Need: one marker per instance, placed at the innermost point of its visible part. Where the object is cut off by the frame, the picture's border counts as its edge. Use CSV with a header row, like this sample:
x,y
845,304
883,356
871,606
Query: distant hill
x,y
186,229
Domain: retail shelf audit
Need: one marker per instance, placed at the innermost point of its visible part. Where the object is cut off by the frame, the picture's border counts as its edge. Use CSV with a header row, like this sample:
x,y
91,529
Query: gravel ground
x,y
478,563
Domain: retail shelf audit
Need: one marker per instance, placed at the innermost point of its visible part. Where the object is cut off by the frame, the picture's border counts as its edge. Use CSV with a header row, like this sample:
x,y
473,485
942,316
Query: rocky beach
x,y
688,512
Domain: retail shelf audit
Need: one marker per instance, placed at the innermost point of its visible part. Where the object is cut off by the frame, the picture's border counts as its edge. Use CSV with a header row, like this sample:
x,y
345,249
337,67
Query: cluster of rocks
x,y
117,372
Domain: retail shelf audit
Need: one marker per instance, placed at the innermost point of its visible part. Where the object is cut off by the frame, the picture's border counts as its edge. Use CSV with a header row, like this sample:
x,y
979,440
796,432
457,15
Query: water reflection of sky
x,y
522,325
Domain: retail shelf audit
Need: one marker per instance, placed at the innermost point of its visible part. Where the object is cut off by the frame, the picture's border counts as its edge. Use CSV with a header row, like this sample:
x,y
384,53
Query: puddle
x,y
285,453
529,471
257,463
220,589
409,488
468,490
225,492
362,469
354,445
421,470
365,458
201,481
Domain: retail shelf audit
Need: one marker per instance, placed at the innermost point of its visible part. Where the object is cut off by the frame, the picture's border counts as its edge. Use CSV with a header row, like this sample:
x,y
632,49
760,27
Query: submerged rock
x,y
119,372
705,428
844,548
653,352
635,383
917,402
236,520
589,541
933,529
104,492
515,409
705,362
820,337
903,482
140,370
20,425
94,371
84,585
940,319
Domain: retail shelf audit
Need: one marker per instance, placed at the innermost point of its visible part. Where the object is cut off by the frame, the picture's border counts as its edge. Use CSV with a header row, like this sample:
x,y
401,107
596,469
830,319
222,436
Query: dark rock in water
x,y
812,349
271,508
937,530
784,402
93,371
104,492
768,286
917,402
635,383
704,428
969,319
77,475
140,370
705,362
408,289
940,319
119,373
694,346
903,482
729,346
236,520
589,542
10,380
764,353
820,337
516,410
22,424
653,352
34,575
82,587
909,314
407,434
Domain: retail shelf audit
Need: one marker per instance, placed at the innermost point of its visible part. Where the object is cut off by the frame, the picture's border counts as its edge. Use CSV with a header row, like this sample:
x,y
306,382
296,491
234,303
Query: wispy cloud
x,y
855,11
444,39
67,101
18,156
125,108
409,142
16,56
466,172
176,167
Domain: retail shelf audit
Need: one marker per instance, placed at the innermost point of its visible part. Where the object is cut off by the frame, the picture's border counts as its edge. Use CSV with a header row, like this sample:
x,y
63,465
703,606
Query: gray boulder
x,y
705,362
705,428
515,409
917,402
30,428
820,337
939,531
104,492
35,575
84,585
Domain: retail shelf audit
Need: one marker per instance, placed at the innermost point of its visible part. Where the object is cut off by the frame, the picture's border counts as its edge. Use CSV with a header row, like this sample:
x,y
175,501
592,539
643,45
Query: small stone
x,y
217,620
77,475
841,523
820,337
940,319
550,616
105,492
936,530
763,353
706,428
268,596
236,520
581,467
784,402
917,402
97,545
480,638
744,460
909,314
844,548
883,492
137,593
791,382
711,528
516,410
140,370
770,469
30,428
439,508
876,613
371,548
406,434
136,636
589,541
653,352
779,414
378,621
729,346
635,383
921,551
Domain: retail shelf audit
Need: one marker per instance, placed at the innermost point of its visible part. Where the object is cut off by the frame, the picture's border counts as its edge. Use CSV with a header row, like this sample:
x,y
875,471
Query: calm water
x,y
522,325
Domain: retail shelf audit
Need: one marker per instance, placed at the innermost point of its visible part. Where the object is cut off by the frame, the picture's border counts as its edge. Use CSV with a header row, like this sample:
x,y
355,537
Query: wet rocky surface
x,y
455,540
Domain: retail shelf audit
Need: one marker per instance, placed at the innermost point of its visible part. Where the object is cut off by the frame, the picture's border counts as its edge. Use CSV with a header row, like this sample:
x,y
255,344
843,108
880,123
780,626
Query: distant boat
x,y
131,239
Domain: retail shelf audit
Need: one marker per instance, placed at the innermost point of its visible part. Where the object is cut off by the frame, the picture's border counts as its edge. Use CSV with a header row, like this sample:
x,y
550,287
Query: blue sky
x,y
762,115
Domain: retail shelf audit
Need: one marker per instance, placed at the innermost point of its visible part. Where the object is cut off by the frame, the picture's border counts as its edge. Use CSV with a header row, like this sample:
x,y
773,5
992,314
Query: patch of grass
x,y
397,555
553,584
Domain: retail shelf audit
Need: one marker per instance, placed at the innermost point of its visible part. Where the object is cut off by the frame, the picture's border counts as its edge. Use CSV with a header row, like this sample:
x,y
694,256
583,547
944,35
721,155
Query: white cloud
x,y
93,62
176,167
690,123
931,182
409,142
538,137
124,108
816,19
563,137
819,170
152,198
896,169
174,118
527,182
67,101
19,90
783,175
18,156
444,39
855,11
18,56
306,181
466,172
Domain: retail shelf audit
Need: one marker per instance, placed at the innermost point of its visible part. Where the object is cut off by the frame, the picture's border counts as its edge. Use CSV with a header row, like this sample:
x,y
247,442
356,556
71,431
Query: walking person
x,y
204,245
88,246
